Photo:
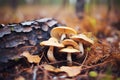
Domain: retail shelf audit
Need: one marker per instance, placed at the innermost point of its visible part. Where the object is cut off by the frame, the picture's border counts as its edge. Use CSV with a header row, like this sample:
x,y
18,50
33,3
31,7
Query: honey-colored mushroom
x,y
70,47
82,39
62,32
52,42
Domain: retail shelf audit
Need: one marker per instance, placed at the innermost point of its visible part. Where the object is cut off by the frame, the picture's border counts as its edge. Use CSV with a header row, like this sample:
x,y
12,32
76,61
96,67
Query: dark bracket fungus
x,y
28,33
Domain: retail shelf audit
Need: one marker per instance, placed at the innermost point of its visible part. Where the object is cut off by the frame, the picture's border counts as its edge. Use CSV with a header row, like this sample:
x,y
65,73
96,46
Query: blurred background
x,y
70,12
20,10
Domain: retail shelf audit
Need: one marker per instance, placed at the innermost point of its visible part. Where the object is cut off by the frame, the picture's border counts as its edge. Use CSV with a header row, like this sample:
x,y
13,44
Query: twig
x,y
45,77
42,56
45,58
76,63
84,60
45,72
88,67
82,76
57,62
34,72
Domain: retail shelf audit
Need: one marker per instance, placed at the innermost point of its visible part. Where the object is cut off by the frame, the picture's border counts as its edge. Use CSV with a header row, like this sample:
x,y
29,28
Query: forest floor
x,y
100,61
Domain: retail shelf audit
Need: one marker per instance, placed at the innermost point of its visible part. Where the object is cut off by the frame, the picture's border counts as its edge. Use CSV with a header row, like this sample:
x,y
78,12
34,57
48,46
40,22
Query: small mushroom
x,y
82,39
62,32
52,42
70,47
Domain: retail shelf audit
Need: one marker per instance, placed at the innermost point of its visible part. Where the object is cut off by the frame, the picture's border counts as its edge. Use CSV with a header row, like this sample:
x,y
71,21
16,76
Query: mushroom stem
x,y
63,36
50,54
81,48
69,59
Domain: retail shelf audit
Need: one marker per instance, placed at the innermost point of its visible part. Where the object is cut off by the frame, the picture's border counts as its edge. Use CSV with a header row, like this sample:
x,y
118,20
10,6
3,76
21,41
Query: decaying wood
x,y
30,33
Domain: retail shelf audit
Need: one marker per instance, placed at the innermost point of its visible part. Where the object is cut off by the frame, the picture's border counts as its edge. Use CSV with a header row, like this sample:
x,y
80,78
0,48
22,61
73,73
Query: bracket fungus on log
x,y
28,33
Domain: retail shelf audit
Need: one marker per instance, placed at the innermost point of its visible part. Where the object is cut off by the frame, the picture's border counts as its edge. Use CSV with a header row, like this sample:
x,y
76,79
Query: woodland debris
x,y
31,58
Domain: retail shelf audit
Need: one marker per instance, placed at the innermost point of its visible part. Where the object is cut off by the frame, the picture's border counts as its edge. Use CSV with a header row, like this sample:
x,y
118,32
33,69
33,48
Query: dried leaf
x,y
51,68
71,71
20,78
31,58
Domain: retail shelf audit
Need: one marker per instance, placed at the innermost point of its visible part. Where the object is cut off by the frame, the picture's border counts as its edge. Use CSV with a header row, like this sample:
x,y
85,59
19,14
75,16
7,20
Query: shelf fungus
x,y
52,42
62,32
82,39
70,47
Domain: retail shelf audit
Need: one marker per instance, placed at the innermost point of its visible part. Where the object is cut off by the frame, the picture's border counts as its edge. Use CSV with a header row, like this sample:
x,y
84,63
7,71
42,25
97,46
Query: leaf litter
x,y
100,56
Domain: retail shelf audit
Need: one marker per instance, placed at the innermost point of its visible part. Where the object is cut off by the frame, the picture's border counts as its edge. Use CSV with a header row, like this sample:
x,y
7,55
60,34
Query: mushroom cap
x,y
70,42
69,49
58,31
82,38
51,42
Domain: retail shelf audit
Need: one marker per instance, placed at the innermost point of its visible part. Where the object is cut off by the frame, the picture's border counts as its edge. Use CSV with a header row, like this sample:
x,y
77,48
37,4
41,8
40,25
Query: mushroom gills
x,y
63,36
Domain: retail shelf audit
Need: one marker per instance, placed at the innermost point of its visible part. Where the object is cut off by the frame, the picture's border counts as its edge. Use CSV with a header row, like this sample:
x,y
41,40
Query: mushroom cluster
x,y
68,41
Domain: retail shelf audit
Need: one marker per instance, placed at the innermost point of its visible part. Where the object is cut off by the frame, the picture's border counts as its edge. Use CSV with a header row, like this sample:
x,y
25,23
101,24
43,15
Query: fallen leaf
x,y
31,58
51,68
71,71
20,78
